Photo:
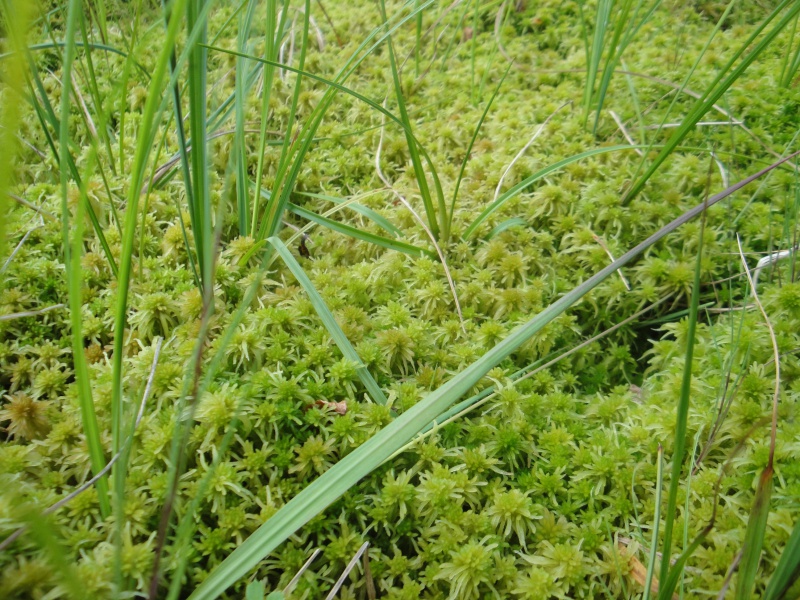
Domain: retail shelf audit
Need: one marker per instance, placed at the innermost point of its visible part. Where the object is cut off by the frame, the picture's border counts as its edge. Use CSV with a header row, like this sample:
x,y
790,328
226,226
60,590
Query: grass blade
x,y
595,54
533,179
682,410
757,523
72,260
272,38
288,166
754,536
360,234
788,569
240,150
329,321
200,208
419,173
87,45
469,149
373,216
651,561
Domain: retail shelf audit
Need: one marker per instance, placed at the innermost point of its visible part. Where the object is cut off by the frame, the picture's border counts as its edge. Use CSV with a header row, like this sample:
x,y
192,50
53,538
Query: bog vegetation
x,y
469,299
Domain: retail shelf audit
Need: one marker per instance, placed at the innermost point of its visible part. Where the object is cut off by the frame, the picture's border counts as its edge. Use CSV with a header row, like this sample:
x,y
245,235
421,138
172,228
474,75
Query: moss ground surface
x,y
547,490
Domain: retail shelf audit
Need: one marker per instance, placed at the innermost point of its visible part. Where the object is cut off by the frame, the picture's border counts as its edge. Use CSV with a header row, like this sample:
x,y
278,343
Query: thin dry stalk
x,y
302,570
422,224
23,202
601,242
30,313
350,566
776,357
538,132
624,131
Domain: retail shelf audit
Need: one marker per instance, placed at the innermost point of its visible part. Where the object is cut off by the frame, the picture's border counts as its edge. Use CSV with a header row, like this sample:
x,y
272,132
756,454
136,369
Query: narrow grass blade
x,y
533,179
288,165
682,409
342,476
329,321
84,44
292,166
373,216
72,260
788,570
240,150
595,54
469,149
434,220
508,224
97,99
336,86
272,39
757,522
200,209
183,153
143,144
667,586
617,48
651,561
47,115
359,234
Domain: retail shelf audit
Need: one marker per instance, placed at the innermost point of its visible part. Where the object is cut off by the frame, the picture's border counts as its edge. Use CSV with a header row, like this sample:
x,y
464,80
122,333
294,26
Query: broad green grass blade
x,y
359,234
502,199
329,321
788,570
72,260
754,536
715,91
342,476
